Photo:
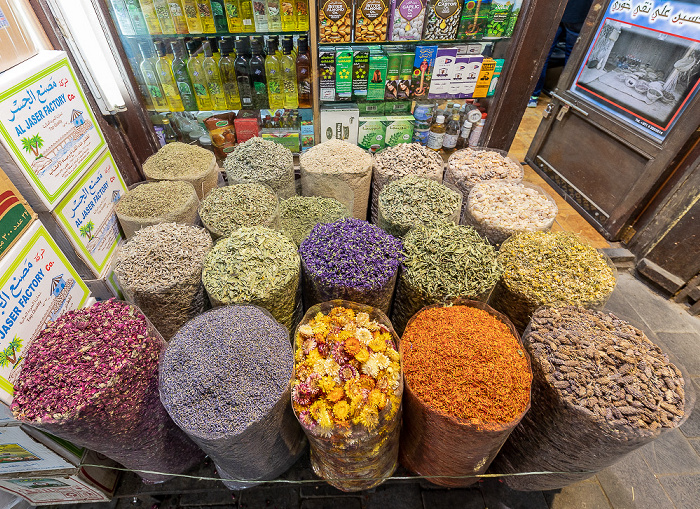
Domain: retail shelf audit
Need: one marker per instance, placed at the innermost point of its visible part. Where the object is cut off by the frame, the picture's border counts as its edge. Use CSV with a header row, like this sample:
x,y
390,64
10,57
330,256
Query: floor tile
x,y
691,427
402,494
331,503
497,495
684,491
671,454
685,347
582,495
462,498
280,497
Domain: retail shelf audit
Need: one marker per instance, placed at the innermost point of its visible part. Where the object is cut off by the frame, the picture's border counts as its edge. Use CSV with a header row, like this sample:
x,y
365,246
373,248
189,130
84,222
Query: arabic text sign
x,y
15,214
37,284
87,215
47,125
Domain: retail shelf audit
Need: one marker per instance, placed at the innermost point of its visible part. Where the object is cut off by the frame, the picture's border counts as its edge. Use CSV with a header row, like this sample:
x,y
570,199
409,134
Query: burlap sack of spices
x,y
455,428
91,377
188,163
352,426
224,380
600,390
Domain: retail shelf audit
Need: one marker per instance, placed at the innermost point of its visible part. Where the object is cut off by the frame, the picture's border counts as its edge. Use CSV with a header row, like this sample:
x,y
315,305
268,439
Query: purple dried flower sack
x,y
91,377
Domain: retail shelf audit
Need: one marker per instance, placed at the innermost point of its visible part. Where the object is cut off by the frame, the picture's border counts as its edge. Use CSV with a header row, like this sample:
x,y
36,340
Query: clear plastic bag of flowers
x,y
91,377
346,393
224,379
352,260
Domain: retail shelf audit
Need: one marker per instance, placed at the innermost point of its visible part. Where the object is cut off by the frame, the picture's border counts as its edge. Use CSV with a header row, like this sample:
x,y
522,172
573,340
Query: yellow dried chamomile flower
x,y
377,344
362,355
353,388
298,355
382,360
313,357
362,319
316,408
352,346
336,395
377,399
324,423
341,410
344,335
327,384
305,330
363,335
371,367
392,354
369,418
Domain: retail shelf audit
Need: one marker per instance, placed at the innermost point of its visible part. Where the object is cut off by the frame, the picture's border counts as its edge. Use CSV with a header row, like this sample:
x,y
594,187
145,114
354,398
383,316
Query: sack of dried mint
x,y
160,270
255,265
498,209
91,377
299,214
224,380
413,200
226,209
150,203
469,166
335,163
443,261
351,260
263,162
346,393
404,159
600,390
547,268
188,163
455,427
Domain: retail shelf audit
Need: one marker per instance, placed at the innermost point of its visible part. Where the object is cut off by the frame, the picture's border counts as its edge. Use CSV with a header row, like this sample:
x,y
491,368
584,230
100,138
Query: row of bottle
x,y
166,17
454,128
214,77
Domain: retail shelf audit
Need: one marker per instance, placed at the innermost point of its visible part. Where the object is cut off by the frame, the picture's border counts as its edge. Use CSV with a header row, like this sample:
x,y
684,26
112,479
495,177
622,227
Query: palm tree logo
x,y
8,357
33,145
86,230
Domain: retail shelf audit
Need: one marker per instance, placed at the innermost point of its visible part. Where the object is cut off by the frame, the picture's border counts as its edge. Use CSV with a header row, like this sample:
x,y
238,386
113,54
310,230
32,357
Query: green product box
x,y
399,129
377,75
496,75
475,20
371,132
343,73
405,73
513,18
288,139
397,107
393,70
326,72
499,14
371,109
360,70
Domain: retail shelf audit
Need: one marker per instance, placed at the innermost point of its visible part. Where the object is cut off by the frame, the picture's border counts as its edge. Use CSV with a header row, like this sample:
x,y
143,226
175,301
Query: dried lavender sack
x,y
91,377
264,162
160,270
224,379
351,260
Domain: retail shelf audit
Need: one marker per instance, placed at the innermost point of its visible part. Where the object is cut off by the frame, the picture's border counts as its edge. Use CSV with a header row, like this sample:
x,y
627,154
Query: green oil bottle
x,y
198,78
289,75
227,72
167,81
205,14
149,14
211,71
274,76
150,78
182,78
194,22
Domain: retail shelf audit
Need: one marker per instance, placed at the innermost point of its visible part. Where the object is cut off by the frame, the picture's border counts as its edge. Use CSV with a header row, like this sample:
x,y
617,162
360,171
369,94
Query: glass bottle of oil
x,y
149,14
233,16
302,15
257,74
136,16
167,26
214,45
182,78
245,86
437,133
121,16
304,73
211,71
218,11
205,14
198,77
245,10
288,14
260,15
150,77
194,22
274,20
289,75
167,81
228,76
274,76
178,14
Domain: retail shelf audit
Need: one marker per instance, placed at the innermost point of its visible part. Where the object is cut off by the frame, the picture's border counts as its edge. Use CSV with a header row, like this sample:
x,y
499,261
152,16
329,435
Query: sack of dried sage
x,y
224,380
547,268
149,203
443,261
414,200
402,160
263,162
299,214
335,163
91,377
498,209
160,270
256,265
188,163
226,209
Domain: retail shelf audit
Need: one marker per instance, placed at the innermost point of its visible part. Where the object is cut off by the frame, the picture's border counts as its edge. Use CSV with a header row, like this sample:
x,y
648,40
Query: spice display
x,y
255,265
600,390
335,163
467,377
188,163
404,159
414,200
299,214
263,162
346,393
352,260
160,270
91,377
152,203
407,19
371,20
498,209
224,379
442,19
542,268
226,209
443,261
469,166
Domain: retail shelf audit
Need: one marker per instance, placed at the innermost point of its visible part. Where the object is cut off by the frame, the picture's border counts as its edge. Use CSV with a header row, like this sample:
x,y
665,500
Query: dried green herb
x,y
414,200
226,209
255,265
262,161
155,199
299,214
178,160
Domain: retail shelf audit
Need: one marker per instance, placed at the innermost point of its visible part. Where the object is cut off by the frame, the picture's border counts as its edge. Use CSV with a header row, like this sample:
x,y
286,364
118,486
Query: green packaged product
x,y
360,71
399,129
397,107
475,20
371,133
326,73
393,70
405,73
343,73
377,76
498,19
371,109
